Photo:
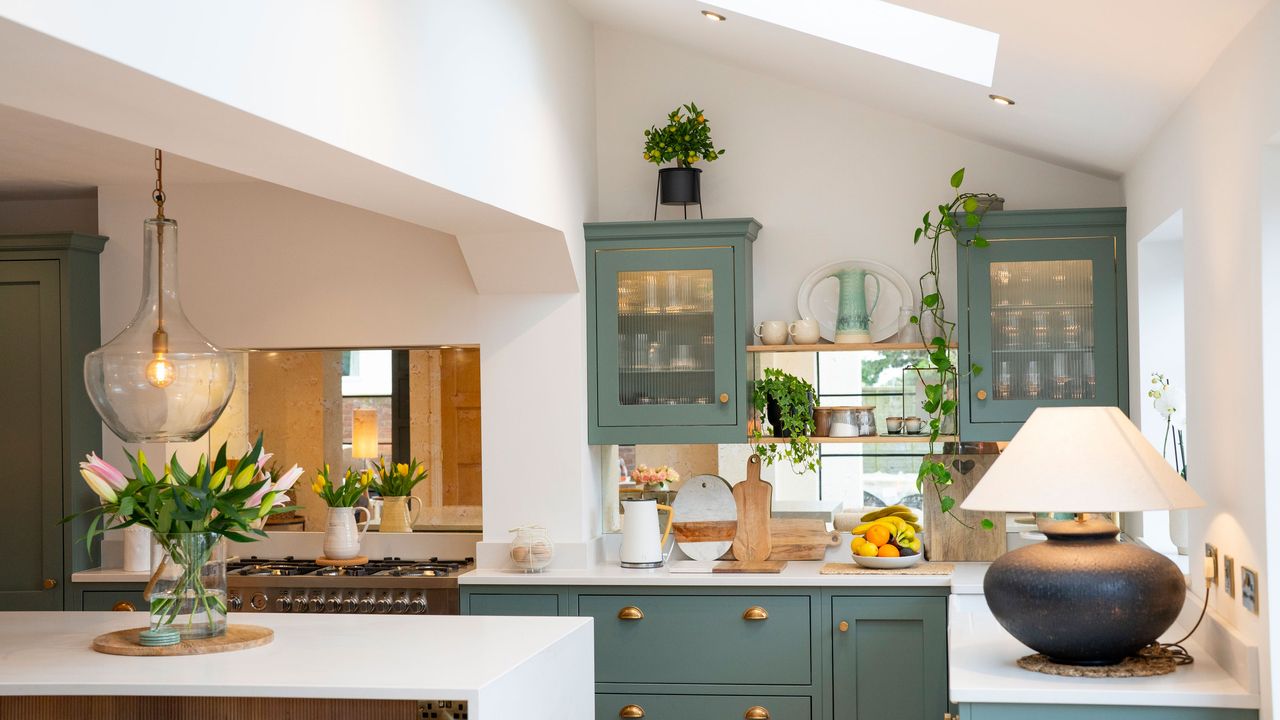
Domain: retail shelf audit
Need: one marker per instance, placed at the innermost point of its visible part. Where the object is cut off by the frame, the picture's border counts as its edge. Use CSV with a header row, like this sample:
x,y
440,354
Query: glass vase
x,y
190,593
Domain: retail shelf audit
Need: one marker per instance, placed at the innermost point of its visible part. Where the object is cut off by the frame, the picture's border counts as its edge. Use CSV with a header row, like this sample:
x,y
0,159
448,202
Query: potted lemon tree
x,y
685,139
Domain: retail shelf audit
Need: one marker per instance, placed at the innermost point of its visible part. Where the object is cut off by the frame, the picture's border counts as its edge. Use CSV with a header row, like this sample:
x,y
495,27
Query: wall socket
x,y
1211,564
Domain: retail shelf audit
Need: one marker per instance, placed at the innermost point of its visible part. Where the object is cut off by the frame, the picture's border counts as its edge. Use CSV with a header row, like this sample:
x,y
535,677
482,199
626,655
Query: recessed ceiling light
x,y
1001,100
883,28
713,17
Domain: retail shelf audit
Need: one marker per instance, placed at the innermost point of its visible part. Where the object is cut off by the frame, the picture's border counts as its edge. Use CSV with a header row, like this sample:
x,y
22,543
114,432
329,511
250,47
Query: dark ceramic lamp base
x,y
1081,597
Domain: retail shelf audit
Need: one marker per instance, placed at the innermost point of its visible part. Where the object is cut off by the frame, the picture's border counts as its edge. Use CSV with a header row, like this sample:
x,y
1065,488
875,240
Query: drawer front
x,y
507,604
701,639
124,600
702,707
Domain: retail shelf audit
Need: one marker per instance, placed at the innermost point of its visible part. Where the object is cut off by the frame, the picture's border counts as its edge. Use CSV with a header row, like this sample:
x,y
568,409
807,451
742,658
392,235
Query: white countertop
x,y
110,575
494,663
982,657
798,573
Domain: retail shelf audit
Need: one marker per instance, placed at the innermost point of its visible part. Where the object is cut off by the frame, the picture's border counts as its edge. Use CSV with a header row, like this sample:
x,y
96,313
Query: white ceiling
x,y
1093,79
42,157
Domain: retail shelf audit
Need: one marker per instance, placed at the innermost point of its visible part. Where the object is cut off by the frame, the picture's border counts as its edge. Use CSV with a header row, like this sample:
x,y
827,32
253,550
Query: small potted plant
x,y
341,537
686,139
394,483
787,402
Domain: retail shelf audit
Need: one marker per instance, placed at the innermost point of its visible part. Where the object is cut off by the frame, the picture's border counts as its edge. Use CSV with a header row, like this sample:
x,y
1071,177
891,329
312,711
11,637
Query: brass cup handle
x,y
49,584
631,612
724,398
755,613
123,606
844,626
982,394
756,712
631,711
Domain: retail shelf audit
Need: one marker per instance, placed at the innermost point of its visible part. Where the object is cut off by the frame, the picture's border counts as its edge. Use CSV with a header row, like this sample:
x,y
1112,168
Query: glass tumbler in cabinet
x,y
669,324
1043,312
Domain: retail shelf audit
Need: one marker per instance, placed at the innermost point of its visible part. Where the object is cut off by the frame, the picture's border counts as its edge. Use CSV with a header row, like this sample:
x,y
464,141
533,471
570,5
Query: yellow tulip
x,y
402,469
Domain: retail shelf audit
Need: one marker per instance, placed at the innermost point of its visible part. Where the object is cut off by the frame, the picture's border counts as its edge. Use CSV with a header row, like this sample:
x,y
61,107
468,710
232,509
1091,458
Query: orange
x,y
888,551
878,535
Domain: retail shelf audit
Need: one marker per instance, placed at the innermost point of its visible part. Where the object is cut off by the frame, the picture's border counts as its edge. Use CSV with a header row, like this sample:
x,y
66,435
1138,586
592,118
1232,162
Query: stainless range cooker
x,y
387,586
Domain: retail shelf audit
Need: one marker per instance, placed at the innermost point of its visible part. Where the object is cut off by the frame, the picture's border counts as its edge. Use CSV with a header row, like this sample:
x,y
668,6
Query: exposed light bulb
x,y
160,371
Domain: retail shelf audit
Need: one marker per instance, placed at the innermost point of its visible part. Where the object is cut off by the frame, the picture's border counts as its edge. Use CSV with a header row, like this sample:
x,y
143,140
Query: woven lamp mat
x,y
1148,665
923,568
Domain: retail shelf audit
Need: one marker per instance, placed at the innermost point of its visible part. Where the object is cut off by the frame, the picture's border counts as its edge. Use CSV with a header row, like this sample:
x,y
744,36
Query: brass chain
x,y
157,195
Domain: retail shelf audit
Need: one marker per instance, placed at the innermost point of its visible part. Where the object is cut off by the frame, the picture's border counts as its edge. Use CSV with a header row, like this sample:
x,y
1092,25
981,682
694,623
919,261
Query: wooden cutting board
x,y
800,539
238,637
762,566
706,518
948,540
754,500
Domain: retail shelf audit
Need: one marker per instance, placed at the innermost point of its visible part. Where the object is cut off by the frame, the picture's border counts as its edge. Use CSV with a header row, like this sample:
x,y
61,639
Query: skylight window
x,y
892,31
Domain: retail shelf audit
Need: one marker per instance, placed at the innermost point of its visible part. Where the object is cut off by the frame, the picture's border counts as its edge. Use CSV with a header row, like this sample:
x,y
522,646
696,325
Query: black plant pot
x,y
680,186
773,412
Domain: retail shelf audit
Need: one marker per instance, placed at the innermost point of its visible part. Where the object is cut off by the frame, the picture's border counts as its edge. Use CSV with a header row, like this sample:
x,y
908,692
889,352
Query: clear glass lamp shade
x,y
159,380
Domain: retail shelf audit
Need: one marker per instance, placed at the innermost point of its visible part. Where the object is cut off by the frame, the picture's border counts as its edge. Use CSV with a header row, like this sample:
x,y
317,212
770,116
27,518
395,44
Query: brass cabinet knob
x,y
631,612
631,711
49,584
756,712
755,612
724,398
982,394
123,606
844,626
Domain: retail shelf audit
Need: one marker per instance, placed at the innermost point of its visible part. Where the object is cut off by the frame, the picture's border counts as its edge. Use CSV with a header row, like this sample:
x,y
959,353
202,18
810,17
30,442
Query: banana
x,y
884,511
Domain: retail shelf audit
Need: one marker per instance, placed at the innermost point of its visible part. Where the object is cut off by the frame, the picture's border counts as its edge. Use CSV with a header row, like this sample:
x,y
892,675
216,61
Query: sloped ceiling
x,y
1093,79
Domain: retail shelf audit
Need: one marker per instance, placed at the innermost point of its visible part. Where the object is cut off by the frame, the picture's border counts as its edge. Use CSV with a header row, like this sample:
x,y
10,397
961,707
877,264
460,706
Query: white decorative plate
x,y
819,298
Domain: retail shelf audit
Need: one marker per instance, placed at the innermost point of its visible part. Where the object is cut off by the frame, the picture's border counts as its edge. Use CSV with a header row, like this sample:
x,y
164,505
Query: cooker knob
x,y
299,604
383,604
333,604
350,604
234,602
258,602
316,603
283,603
418,605
366,604
400,606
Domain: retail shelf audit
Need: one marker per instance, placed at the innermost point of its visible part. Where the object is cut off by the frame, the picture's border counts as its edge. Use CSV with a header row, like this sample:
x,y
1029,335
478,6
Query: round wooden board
x,y
238,637
357,560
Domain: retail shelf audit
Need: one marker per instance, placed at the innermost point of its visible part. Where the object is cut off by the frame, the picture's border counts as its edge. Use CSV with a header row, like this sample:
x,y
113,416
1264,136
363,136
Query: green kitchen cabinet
x,y
49,321
702,707
1021,711
531,604
120,597
668,322
889,657
1043,311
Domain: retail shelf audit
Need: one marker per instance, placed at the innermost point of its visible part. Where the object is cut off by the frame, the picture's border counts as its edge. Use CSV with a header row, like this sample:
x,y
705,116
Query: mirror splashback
x,y
349,406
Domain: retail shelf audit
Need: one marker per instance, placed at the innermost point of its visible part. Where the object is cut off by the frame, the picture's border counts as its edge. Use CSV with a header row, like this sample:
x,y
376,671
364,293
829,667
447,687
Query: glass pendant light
x,y
159,380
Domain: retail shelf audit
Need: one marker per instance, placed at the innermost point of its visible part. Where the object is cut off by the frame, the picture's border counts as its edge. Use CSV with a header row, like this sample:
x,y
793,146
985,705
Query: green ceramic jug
x,y
853,324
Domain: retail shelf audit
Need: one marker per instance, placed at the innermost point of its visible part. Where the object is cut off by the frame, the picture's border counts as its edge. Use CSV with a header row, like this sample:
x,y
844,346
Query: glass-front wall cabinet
x,y
1044,316
669,323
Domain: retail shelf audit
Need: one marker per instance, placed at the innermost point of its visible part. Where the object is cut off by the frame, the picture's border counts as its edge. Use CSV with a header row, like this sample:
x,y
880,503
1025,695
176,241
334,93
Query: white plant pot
x,y
342,536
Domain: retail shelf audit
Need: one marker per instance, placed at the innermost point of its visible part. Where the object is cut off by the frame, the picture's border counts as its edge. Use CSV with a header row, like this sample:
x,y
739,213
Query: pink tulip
x,y
104,471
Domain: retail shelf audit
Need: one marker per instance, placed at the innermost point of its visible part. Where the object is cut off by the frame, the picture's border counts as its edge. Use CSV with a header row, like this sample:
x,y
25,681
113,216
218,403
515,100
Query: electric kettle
x,y
641,543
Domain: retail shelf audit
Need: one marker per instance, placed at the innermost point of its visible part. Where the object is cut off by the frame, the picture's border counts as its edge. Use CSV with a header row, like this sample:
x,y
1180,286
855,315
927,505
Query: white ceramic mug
x,y
805,332
913,424
772,332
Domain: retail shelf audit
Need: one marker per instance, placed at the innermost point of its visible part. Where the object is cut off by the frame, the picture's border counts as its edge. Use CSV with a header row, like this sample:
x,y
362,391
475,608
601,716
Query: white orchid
x,y
1171,402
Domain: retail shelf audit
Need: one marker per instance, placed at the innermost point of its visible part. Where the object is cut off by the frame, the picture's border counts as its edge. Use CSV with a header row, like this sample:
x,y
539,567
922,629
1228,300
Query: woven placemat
x,y
923,568
1149,665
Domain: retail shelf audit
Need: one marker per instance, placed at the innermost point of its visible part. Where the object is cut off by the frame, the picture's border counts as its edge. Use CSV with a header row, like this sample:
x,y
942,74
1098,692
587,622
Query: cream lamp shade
x,y
364,433
1080,459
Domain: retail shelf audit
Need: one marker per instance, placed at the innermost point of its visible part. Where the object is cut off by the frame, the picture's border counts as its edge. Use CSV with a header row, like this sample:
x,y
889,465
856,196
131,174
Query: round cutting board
x,y
238,637
705,517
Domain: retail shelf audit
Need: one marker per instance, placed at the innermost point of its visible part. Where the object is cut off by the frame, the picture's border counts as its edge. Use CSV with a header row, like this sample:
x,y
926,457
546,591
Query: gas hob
x,y
385,586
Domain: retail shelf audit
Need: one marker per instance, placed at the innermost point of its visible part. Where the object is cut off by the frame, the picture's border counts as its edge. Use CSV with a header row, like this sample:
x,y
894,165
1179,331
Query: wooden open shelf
x,y
839,347
866,440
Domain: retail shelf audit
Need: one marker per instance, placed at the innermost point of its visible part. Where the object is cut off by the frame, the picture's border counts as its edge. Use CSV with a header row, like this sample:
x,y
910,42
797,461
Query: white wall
x,y
49,215
1207,161
829,179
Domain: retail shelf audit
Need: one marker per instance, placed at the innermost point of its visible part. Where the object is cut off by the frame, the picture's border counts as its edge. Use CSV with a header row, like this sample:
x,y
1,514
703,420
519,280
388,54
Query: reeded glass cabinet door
x,y
665,323
1042,323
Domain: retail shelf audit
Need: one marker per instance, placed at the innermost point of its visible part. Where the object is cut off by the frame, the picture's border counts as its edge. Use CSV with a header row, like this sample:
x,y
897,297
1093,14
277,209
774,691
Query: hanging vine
x,y
960,220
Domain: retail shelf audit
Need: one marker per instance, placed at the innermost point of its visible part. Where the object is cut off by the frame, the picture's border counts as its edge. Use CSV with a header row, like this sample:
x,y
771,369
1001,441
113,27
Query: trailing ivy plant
x,y
796,399
960,220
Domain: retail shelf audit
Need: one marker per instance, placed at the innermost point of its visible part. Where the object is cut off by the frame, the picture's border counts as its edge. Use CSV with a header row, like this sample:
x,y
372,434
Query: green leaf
x,y
915,319
919,232
948,502
957,178
970,204
971,219
987,524
930,300
976,369
980,241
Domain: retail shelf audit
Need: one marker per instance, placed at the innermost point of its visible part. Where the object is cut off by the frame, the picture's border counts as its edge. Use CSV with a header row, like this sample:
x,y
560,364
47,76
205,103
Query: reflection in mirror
x,y
348,408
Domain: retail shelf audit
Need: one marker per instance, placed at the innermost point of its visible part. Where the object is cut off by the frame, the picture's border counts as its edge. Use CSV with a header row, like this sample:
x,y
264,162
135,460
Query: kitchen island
x,y
500,667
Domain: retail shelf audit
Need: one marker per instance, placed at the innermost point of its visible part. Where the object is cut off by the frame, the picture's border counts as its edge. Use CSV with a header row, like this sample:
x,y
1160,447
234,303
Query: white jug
x,y
641,543
341,538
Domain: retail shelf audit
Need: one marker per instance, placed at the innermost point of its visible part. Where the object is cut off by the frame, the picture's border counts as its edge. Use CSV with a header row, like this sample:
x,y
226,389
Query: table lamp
x,y
1081,597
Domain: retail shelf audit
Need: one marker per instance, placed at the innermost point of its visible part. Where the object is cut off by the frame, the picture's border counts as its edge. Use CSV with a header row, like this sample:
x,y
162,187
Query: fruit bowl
x,y
888,563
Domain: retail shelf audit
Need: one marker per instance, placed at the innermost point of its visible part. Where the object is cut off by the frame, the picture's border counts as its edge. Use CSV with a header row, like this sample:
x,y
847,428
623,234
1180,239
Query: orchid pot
x,y
189,590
